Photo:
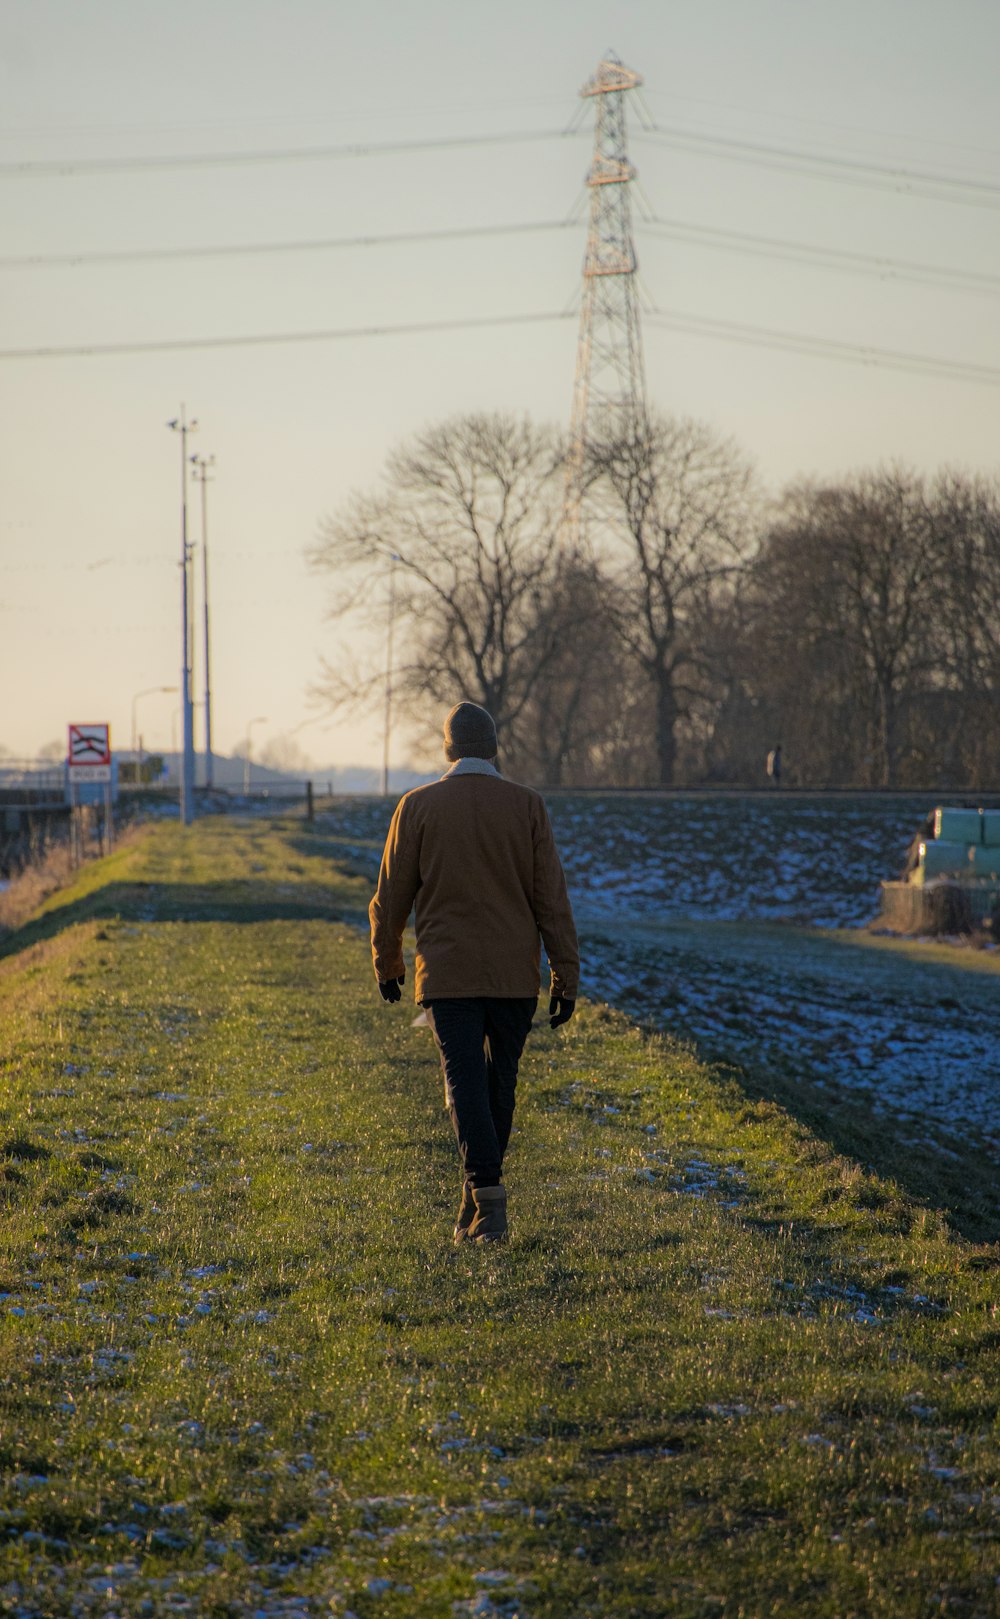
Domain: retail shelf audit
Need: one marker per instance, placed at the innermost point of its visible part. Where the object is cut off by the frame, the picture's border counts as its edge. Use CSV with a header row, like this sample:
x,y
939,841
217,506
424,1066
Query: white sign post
x,y
89,753
88,759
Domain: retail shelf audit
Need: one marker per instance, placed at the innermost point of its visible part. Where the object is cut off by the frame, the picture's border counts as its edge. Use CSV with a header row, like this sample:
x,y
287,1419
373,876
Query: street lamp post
x,y
148,692
261,719
181,425
202,471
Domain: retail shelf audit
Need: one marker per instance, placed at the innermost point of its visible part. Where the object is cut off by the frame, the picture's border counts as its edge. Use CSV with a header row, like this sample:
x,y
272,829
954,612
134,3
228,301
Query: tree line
x,y
696,624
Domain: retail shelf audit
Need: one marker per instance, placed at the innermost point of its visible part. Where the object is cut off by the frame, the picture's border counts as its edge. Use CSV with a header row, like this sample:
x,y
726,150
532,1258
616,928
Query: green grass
x,y
719,1370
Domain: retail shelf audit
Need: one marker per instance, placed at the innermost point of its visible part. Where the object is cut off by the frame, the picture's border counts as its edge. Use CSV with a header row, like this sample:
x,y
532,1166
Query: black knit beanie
x,y
469,733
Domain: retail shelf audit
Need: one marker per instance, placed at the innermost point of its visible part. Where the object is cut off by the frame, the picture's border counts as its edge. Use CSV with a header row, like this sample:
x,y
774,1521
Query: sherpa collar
x,y
471,767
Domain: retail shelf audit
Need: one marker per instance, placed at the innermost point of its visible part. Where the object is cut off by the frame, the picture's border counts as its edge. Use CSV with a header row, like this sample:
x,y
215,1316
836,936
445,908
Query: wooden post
x,y
310,806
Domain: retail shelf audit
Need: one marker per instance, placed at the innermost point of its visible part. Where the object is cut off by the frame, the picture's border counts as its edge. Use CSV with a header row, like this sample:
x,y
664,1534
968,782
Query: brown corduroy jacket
x,y
474,853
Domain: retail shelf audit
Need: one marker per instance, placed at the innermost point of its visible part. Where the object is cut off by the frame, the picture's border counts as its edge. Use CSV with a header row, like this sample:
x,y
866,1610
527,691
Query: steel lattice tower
x,y
609,393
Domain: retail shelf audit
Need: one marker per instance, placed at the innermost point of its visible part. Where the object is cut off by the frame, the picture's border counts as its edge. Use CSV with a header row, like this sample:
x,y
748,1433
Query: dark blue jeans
x,y
480,1041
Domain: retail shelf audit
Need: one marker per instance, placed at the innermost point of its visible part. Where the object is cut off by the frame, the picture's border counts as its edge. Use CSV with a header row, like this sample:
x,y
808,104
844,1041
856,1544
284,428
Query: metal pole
x,y
181,425
387,728
201,472
204,580
187,718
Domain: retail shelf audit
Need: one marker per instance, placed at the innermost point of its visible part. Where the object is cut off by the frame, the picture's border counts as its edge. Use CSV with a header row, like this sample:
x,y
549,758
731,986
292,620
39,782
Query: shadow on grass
x,y
241,901
352,856
948,1173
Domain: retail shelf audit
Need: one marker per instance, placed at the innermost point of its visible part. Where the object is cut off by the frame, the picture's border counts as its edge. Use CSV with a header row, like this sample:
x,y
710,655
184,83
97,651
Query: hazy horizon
x,y
89,515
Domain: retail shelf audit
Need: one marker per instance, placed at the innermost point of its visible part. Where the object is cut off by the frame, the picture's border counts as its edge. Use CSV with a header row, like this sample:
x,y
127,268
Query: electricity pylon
x,y
610,389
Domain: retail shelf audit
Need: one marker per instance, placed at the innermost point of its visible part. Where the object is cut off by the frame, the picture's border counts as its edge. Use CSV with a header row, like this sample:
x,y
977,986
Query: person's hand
x,y
560,1010
389,988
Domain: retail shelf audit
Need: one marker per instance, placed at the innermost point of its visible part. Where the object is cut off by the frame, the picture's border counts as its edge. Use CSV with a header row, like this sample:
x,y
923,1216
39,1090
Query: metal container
x,y
991,828
940,859
958,825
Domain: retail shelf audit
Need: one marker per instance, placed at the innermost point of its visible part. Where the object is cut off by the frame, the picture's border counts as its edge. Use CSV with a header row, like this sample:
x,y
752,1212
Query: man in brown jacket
x,y
475,855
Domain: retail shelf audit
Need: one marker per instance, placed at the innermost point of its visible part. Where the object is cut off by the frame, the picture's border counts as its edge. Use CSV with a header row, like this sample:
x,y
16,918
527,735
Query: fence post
x,y
310,806
74,826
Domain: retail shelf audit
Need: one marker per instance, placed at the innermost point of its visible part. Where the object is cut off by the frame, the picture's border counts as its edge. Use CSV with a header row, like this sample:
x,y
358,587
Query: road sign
x,y
80,773
89,749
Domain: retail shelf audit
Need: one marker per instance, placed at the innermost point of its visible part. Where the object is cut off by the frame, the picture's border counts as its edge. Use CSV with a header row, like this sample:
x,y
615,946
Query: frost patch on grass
x,y
805,1008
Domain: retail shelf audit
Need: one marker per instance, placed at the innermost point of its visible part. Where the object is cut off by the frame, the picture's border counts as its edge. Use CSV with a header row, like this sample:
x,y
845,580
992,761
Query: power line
x,y
841,128
310,245
265,339
825,347
675,229
175,125
824,257
697,325
48,168
855,171
859,171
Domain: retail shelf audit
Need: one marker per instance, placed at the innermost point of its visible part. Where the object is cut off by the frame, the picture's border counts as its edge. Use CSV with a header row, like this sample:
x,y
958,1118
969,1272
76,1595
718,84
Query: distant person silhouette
x,y
774,766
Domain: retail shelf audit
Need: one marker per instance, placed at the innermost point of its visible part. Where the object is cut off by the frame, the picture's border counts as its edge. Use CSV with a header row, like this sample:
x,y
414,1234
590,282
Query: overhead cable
x,y
860,171
825,347
696,325
71,351
676,229
49,168
320,244
855,171
834,258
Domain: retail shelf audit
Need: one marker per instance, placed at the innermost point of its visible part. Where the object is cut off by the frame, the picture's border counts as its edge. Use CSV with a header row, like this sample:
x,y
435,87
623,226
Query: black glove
x,y
560,1010
389,989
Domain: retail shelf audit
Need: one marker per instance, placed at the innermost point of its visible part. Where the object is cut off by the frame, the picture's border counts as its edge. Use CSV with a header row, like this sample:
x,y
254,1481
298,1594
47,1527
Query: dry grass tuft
x,y
38,881
32,886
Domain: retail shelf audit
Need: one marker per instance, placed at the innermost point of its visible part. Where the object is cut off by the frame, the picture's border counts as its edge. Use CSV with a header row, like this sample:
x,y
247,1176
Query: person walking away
x,y
474,855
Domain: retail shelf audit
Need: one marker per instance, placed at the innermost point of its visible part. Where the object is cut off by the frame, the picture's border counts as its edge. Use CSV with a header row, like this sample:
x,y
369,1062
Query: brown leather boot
x,y
490,1222
466,1213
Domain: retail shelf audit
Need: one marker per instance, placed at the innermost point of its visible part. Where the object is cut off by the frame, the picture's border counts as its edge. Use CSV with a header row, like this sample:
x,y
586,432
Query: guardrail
x,y
229,793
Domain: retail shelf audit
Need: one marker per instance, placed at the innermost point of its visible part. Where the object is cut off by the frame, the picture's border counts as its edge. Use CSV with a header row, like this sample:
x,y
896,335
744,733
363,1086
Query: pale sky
x,y
89,474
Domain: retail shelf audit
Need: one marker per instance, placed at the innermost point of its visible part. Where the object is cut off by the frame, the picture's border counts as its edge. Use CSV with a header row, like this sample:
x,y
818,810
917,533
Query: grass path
x,y
718,1371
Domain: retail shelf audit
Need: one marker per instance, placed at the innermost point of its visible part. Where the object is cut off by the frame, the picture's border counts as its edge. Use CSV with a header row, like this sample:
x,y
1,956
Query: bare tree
x,y
680,504
793,678
573,713
967,624
468,518
871,559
